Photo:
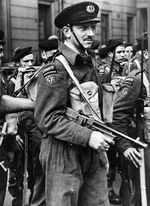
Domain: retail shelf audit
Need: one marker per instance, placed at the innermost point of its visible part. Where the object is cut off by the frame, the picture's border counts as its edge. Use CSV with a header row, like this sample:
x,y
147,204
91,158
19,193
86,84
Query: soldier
x,y
49,48
27,128
113,52
73,157
4,157
7,104
124,121
128,55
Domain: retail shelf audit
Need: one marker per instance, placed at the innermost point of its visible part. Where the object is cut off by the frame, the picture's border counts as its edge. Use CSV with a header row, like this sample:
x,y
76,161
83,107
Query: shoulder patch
x,y
49,70
124,91
50,79
128,81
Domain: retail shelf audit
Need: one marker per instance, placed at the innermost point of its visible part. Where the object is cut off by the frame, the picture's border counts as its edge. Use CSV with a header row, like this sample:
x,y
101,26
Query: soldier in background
x,y
125,118
7,145
128,57
49,48
27,129
7,104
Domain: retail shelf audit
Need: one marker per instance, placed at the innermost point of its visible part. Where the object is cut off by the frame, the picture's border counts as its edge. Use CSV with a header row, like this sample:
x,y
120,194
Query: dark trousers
x,y
73,176
3,184
135,177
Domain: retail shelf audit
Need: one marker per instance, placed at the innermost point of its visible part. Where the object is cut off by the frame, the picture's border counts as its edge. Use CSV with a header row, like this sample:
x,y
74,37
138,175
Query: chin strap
x,y
80,45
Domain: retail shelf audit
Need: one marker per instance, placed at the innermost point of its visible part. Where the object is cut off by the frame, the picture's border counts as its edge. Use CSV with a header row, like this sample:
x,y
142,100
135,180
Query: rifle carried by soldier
x,y
140,107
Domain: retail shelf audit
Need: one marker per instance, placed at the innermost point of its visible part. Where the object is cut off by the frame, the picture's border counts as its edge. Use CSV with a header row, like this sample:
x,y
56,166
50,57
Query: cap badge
x,y
90,9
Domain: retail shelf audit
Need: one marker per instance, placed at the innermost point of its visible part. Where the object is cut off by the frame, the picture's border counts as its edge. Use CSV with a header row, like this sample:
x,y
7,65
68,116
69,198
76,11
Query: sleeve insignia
x,y
128,81
49,70
124,91
50,79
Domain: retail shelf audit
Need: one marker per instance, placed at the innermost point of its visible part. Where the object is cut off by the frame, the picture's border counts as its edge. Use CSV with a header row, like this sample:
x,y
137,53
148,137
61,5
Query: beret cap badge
x,y
90,9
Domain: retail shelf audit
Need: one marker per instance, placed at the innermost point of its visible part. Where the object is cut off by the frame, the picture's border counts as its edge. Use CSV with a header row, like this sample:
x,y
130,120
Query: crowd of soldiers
x,y
60,160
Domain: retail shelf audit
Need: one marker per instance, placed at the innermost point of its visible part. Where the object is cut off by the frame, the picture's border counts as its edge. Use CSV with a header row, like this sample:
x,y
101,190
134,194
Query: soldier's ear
x,y
67,31
110,54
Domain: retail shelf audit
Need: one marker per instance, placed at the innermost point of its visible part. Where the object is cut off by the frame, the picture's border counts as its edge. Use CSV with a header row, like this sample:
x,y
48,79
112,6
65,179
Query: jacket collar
x,y
69,54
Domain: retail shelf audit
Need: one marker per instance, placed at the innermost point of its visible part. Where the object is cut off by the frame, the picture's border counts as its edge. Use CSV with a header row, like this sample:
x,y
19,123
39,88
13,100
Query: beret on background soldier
x,y
50,44
95,45
1,37
113,43
110,47
20,53
83,12
128,44
103,52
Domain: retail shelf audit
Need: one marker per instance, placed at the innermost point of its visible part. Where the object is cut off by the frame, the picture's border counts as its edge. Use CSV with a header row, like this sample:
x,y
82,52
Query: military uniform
x,y
124,110
8,143
27,129
75,173
3,154
72,168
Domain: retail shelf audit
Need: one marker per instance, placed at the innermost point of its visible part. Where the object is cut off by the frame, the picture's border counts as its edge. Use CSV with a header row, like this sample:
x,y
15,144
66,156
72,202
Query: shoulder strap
x,y
145,80
137,63
146,84
64,62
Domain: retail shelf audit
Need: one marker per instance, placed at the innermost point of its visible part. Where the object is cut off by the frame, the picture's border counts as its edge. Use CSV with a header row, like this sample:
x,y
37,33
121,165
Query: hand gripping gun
x,y
100,126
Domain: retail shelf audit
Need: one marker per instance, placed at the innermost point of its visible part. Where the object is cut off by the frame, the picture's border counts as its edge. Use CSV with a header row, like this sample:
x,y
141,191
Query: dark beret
x,y
1,37
20,53
79,13
50,44
95,44
103,52
113,43
128,44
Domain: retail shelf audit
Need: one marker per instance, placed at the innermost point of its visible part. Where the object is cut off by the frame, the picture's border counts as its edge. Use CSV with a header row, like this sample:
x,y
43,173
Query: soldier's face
x,y
128,52
119,55
1,53
85,33
27,61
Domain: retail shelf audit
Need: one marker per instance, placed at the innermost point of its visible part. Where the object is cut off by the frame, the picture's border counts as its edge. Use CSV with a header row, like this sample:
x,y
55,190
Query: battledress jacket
x,y
124,106
53,99
8,143
3,91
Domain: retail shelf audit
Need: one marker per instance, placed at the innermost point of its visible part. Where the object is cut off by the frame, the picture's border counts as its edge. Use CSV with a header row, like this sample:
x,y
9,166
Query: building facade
x,y
27,22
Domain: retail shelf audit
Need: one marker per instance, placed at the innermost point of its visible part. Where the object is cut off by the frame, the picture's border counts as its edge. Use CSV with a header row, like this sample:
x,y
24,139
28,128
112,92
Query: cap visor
x,y
90,20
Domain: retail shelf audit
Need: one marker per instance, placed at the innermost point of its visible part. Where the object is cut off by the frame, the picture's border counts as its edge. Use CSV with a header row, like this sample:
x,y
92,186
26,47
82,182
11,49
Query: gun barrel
x,y
99,126
117,133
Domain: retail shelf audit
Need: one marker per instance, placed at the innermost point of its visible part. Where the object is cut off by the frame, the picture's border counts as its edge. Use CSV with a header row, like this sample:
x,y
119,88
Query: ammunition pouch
x,y
108,99
91,91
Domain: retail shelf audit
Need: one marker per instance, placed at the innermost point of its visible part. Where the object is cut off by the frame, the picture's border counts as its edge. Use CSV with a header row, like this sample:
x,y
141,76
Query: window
x,y
144,19
104,28
44,21
130,29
